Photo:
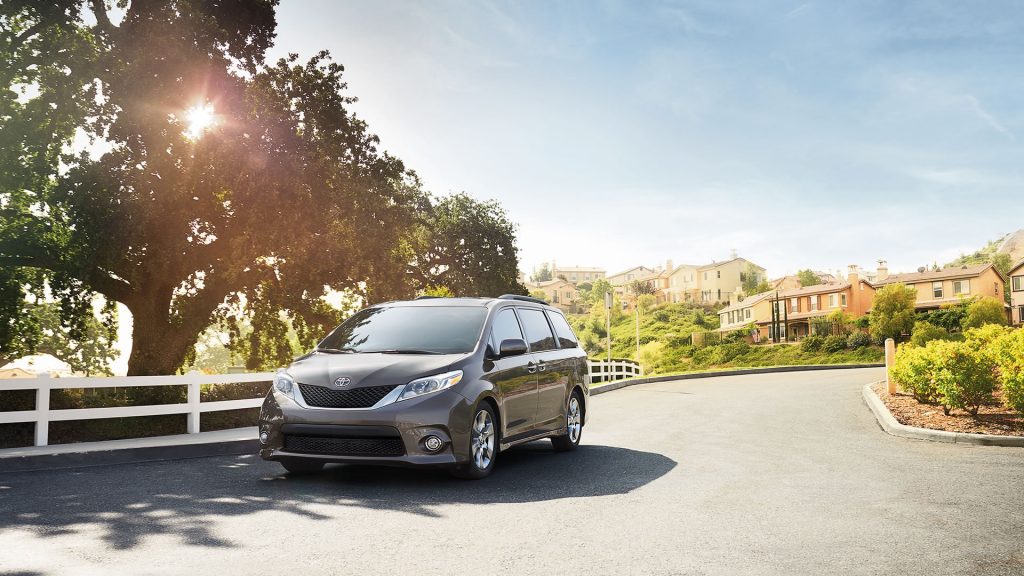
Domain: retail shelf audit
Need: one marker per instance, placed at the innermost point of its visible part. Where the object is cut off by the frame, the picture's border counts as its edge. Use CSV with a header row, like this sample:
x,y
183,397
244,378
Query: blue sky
x,y
801,134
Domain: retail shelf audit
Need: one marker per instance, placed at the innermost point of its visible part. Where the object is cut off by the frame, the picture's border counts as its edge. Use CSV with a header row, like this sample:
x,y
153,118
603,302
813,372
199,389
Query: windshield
x,y
409,330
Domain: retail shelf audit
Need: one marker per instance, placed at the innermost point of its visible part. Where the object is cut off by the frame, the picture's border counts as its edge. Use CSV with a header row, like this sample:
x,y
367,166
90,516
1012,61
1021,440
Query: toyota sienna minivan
x,y
447,382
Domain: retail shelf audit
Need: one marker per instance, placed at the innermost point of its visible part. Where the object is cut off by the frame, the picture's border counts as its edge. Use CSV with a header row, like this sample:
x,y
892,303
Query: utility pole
x,y
637,306
608,301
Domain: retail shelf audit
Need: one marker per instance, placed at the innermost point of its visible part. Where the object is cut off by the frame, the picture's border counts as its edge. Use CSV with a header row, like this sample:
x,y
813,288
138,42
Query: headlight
x,y
430,384
284,383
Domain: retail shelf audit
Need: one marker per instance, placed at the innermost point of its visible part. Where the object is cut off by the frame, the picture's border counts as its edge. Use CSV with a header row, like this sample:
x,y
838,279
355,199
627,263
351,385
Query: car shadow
x,y
185,498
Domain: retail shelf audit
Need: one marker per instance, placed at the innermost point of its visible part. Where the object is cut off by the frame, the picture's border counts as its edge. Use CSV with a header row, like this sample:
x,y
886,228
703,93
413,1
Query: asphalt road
x,y
767,474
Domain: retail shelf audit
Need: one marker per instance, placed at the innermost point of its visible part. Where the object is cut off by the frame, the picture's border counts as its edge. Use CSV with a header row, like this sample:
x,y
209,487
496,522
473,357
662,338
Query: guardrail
x,y
43,415
617,369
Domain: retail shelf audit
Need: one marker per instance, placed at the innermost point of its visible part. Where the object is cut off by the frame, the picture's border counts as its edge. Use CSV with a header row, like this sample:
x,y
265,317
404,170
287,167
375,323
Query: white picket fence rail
x,y
605,371
42,415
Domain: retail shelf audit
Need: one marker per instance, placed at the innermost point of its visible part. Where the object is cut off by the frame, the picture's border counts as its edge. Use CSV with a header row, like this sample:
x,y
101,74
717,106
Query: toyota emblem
x,y
342,382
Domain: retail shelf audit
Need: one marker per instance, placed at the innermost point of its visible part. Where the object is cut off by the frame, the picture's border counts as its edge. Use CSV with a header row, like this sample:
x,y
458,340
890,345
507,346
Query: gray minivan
x,y
444,382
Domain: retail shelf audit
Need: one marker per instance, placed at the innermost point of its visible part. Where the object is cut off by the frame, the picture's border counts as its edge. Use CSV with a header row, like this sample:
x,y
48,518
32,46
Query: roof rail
x,y
522,298
428,297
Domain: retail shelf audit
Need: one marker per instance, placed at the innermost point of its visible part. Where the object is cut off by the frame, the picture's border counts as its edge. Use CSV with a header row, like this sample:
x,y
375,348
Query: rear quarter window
x,y
566,339
538,332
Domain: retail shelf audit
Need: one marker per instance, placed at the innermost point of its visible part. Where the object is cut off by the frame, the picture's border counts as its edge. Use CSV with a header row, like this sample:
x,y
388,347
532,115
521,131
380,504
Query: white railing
x,y
42,415
605,371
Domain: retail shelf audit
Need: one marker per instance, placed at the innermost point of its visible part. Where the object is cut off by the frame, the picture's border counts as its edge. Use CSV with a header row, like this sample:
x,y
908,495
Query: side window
x,y
505,327
538,333
566,339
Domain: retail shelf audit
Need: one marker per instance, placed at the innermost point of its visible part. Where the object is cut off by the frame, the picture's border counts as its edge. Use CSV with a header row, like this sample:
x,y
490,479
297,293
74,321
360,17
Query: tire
x,y
299,466
483,444
573,425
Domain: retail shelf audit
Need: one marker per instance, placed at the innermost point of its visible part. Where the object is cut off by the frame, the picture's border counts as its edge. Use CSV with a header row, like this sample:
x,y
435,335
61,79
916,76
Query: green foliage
x,y
641,287
812,343
651,356
542,275
833,343
438,291
950,317
892,314
925,332
964,376
751,280
984,311
807,277
592,293
540,295
913,372
858,339
1008,354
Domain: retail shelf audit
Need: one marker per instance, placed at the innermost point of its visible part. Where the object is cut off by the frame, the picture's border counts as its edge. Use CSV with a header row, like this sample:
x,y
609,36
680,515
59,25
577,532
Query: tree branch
x,y
102,20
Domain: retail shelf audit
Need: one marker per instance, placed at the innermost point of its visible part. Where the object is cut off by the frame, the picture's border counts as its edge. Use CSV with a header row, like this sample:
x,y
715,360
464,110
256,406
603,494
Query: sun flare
x,y
199,119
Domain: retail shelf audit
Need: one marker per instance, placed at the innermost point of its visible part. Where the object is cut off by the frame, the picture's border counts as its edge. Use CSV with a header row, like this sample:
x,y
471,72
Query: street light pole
x,y
608,301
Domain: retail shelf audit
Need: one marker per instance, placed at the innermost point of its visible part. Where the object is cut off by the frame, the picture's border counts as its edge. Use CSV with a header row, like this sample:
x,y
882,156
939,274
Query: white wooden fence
x,y
604,371
43,415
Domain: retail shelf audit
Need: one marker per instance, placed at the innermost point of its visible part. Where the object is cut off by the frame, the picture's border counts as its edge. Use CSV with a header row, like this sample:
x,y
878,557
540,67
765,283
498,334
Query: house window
x,y
813,301
1020,314
705,275
748,313
1018,283
719,273
842,300
719,294
995,286
961,287
936,290
794,304
832,300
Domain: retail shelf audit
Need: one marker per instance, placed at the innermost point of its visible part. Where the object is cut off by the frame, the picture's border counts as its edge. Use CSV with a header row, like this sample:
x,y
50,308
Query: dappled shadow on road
x,y
128,503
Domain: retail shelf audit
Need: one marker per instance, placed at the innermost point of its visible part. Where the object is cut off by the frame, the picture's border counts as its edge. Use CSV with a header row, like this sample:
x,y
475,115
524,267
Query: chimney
x,y
883,270
852,274
669,266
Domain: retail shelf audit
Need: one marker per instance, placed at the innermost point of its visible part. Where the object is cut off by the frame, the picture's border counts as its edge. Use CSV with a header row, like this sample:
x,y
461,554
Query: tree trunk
x,y
158,348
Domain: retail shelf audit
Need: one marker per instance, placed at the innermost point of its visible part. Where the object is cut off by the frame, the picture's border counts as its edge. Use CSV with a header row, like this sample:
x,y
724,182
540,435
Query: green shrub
x,y
982,338
985,311
652,356
833,344
925,332
912,371
858,339
812,343
964,376
1008,353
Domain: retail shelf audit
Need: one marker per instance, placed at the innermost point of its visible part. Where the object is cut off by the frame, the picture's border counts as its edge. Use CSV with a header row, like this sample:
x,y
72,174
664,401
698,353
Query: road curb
x,y
770,370
890,425
86,457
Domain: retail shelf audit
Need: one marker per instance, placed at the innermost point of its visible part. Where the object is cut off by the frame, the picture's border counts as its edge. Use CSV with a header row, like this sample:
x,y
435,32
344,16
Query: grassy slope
x,y
666,325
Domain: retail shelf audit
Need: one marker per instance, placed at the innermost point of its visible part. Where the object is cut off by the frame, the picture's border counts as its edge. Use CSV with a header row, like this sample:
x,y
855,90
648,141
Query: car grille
x,y
344,446
321,397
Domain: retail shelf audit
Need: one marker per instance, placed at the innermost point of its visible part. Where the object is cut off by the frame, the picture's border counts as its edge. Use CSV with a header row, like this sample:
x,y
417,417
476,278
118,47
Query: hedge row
x,y
965,374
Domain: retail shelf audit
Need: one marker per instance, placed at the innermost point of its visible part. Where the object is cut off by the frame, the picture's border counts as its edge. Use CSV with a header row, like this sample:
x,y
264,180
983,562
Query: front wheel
x,y
573,425
483,445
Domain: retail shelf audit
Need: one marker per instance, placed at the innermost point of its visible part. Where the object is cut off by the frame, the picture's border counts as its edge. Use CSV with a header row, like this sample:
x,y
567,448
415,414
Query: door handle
x,y
531,367
542,366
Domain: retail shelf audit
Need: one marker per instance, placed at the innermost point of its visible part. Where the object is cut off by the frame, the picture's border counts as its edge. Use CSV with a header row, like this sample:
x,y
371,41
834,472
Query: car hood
x,y
369,369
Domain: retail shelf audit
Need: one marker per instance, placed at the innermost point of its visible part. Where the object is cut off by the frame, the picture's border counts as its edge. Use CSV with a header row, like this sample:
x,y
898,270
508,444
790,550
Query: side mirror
x,y
511,347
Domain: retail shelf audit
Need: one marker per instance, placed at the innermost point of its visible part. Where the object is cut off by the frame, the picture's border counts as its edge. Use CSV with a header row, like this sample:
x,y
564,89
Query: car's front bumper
x,y
445,414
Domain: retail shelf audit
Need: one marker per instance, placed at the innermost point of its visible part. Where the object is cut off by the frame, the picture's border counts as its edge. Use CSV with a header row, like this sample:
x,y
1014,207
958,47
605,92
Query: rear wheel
x,y
302,465
573,425
483,445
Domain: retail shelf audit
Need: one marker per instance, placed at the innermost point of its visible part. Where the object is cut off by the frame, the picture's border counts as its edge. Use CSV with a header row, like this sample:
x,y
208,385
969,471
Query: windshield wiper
x,y
334,350
403,351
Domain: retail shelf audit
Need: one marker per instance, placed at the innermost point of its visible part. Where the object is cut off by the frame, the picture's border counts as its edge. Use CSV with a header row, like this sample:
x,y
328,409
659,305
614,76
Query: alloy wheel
x,y
573,421
483,439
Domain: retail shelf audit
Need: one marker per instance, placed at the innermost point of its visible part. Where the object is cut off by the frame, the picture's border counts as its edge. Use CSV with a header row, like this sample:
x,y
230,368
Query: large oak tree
x,y
285,197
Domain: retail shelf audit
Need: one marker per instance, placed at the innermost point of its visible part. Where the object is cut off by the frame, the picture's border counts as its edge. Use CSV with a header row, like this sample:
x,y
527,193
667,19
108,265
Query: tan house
x,y
1017,293
683,285
15,373
560,293
577,274
626,276
723,281
937,288
799,306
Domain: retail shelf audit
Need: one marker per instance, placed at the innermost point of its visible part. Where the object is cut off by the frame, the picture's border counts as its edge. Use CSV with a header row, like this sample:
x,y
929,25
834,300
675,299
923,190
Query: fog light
x,y
433,443
264,437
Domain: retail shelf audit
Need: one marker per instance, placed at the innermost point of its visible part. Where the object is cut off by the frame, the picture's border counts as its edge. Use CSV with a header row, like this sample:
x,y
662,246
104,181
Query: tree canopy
x,y
280,198
892,312
808,277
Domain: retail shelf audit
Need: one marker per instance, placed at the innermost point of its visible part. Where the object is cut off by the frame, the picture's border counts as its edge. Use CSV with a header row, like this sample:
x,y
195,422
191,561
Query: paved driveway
x,y
767,474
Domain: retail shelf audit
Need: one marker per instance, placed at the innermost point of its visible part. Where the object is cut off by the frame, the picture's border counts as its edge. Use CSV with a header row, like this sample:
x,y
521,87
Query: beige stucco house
x,y
950,285
560,293
1017,293
723,281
